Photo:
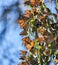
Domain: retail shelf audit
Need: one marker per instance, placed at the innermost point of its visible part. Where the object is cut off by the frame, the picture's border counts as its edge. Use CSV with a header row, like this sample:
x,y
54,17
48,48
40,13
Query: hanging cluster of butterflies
x,y
42,25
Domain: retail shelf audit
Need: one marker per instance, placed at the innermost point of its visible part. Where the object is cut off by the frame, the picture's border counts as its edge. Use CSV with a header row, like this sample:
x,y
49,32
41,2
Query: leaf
x,y
40,47
30,33
57,4
32,21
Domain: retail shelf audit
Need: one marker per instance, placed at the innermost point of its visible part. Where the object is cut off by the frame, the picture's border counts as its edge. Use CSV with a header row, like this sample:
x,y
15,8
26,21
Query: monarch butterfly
x,y
56,60
54,25
29,47
47,52
42,18
41,30
41,39
47,11
37,23
28,14
22,57
24,63
26,2
20,21
23,52
23,23
28,11
36,2
32,43
50,38
35,11
23,33
26,40
33,2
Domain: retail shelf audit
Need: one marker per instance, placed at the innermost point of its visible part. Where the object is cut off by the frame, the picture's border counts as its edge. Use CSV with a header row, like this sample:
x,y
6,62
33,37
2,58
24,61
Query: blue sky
x,y
10,40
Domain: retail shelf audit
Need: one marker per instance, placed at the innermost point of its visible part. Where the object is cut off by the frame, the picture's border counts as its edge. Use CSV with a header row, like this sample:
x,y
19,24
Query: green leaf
x,y
40,47
57,4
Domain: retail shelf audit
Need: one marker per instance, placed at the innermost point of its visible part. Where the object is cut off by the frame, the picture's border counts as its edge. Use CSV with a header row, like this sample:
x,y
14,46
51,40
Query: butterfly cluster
x,y
42,25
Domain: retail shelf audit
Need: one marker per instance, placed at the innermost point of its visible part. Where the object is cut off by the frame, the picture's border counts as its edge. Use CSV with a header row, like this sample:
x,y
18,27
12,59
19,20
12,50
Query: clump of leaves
x,y
41,24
